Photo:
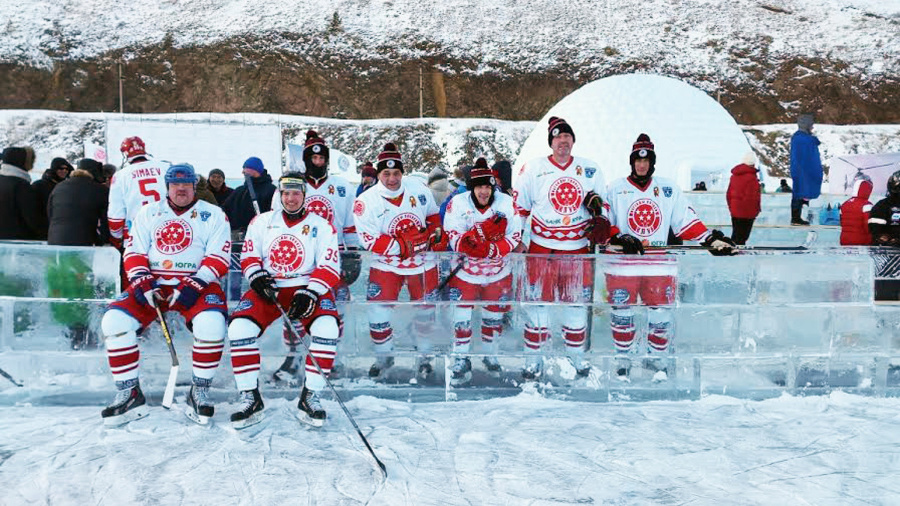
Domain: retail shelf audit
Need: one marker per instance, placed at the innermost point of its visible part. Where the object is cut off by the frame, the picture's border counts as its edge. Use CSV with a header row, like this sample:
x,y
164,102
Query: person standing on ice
x,y
483,225
330,197
398,221
743,198
562,194
175,253
140,182
806,168
641,209
291,258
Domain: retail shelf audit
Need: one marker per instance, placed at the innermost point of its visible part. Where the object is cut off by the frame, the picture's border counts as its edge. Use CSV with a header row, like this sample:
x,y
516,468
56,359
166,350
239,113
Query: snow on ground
x,y
836,449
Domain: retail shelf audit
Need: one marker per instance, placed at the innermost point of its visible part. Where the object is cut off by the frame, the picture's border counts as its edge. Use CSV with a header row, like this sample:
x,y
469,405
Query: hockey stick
x,y
10,378
811,237
337,397
248,182
169,394
462,261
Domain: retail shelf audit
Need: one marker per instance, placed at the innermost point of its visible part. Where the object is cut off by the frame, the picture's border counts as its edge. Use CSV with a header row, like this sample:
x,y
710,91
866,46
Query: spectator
x,y
503,170
77,208
239,205
784,187
203,191
855,214
806,167
368,178
460,176
59,169
20,217
701,186
743,198
218,187
109,170
439,184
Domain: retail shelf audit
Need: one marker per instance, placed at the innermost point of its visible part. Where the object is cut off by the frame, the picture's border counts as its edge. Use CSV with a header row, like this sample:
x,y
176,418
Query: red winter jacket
x,y
743,192
855,216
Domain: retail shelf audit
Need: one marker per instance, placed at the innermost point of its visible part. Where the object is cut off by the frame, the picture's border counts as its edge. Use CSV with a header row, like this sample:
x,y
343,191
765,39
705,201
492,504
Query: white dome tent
x,y
695,138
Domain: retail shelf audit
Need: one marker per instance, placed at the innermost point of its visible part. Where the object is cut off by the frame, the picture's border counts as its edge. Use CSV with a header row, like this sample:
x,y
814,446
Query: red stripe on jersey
x,y
116,227
136,262
382,244
218,264
349,230
613,230
326,276
694,230
249,262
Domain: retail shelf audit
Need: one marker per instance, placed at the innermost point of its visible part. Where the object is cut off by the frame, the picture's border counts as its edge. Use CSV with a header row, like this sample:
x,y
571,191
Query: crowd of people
x,y
300,233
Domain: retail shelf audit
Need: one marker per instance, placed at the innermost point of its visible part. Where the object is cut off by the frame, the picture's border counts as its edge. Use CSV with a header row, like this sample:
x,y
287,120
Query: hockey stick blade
x,y
10,378
169,394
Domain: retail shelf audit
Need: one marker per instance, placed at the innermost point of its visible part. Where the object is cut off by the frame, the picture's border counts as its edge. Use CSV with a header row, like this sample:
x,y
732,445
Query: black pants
x,y
740,230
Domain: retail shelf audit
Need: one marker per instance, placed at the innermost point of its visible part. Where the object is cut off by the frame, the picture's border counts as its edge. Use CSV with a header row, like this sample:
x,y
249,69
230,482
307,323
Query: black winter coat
x,y
239,206
77,211
20,216
43,187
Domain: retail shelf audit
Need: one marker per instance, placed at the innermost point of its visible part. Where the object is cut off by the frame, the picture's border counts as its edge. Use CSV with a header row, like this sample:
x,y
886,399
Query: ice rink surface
x,y
835,449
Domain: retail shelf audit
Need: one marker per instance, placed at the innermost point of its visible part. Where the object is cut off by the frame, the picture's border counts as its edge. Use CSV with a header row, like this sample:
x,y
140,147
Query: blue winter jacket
x,y
806,165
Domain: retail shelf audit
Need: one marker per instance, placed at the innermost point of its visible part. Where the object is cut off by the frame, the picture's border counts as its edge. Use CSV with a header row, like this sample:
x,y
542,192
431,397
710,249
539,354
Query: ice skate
x,y
532,369
199,408
129,405
287,372
381,364
581,365
424,369
461,372
623,369
251,410
310,409
492,365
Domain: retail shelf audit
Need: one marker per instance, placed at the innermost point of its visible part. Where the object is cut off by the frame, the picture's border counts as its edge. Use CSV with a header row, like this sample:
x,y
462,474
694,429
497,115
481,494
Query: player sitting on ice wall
x,y
291,259
641,209
331,197
140,182
175,253
398,221
562,193
482,224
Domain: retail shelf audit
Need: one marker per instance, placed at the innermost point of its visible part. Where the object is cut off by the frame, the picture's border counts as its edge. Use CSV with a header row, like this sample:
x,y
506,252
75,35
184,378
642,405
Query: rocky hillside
x,y
764,60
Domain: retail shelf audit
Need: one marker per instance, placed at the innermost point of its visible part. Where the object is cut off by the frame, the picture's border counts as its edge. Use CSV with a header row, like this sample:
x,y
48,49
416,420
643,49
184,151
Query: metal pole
x,y
121,99
421,95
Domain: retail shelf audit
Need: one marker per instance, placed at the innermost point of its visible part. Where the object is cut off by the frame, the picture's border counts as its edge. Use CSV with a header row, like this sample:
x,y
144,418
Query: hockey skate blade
x,y
126,417
303,417
254,419
169,394
194,417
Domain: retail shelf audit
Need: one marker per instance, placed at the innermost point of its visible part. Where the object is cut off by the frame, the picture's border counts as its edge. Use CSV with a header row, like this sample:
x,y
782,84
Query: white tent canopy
x,y
695,138
843,169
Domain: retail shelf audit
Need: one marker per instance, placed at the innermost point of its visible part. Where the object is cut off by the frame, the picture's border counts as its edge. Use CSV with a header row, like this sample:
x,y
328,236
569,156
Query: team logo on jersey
x,y
305,230
194,214
404,221
644,217
667,191
173,236
656,191
566,195
331,189
286,254
373,291
620,296
422,199
454,293
204,215
321,206
327,304
358,208
578,170
412,201
243,305
589,171
213,299
342,192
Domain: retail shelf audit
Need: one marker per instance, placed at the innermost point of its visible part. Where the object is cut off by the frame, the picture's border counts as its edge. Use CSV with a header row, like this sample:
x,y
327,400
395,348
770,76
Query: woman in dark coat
x,y
77,208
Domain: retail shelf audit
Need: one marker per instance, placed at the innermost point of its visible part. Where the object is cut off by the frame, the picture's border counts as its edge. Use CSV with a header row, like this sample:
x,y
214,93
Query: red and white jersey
x,y
380,218
172,245
133,187
649,213
554,195
301,253
332,200
462,215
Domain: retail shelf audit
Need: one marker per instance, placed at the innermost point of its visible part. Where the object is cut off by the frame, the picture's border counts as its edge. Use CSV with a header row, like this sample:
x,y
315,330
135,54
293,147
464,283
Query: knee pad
x,y
241,329
209,326
324,327
116,322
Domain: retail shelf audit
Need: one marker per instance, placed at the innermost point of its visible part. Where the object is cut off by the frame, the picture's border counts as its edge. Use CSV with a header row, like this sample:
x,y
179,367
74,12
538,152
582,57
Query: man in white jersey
x,y
562,194
331,197
140,182
176,252
641,210
483,225
398,221
291,258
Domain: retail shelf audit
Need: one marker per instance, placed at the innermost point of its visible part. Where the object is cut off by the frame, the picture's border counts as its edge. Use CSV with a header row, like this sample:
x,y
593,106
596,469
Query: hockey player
x,y
140,182
331,197
398,220
174,256
291,259
562,193
884,219
642,208
482,224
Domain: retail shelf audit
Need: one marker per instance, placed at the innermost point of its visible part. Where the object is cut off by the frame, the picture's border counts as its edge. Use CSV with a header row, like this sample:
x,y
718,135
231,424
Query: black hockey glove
x,y
187,292
593,203
630,244
303,304
263,284
351,264
719,244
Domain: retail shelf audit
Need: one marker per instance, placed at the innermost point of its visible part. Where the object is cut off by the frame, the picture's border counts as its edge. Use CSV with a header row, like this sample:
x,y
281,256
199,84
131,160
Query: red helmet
x,y
132,147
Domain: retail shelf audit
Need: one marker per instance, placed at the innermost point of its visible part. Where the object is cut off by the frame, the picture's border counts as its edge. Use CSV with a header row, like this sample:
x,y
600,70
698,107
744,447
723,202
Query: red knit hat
x,y
481,174
558,126
368,170
389,158
315,145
